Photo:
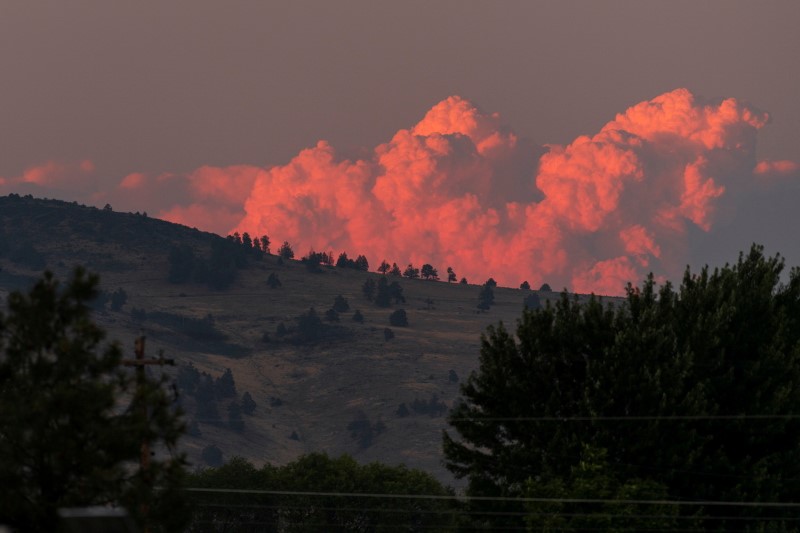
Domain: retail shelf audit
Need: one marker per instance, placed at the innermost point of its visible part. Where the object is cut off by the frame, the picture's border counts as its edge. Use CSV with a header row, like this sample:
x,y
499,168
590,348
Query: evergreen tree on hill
x,y
285,251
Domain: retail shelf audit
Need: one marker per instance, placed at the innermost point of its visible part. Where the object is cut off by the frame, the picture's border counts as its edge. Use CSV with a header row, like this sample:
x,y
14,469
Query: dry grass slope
x,y
323,386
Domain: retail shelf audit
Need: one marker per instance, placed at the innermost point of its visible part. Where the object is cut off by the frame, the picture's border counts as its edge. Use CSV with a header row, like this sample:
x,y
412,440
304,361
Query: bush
x,y
285,251
532,302
340,304
388,334
248,404
358,317
364,431
399,318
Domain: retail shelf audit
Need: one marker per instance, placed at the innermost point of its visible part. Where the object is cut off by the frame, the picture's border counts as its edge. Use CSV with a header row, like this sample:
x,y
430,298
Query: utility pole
x,y
141,381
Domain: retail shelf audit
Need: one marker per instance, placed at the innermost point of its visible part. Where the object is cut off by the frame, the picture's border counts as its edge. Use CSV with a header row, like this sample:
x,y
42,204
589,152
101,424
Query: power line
x,y
627,418
603,501
415,511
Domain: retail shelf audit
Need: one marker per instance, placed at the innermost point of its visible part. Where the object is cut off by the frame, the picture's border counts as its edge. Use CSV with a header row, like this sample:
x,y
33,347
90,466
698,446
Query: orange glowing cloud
x,y
777,168
435,193
66,180
460,189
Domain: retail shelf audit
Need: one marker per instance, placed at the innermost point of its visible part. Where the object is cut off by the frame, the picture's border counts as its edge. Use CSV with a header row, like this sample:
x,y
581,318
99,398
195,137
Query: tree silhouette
x,y
285,251
451,275
248,404
410,272
702,368
399,318
66,439
428,272
340,304
485,297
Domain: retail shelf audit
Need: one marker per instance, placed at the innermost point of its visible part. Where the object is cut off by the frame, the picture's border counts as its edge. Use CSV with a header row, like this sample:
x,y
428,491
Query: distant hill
x,y
338,387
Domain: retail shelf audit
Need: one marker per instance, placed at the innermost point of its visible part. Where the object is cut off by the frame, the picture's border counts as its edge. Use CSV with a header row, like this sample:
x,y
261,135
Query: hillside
x,y
339,393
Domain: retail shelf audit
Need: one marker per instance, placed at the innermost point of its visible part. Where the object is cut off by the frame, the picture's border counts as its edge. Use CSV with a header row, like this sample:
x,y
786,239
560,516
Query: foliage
x,y
485,297
309,326
368,289
428,272
410,272
360,263
314,259
395,270
363,430
285,251
525,286
358,317
66,438
386,293
225,386
532,301
248,404
340,304
219,271
272,281
281,499
451,275
712,368
432,407
545,288
388,334
331,315
399,318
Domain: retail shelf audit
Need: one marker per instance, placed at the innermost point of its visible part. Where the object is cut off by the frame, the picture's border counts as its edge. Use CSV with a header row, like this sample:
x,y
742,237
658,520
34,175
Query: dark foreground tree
x,y
320,493
67,435
683,395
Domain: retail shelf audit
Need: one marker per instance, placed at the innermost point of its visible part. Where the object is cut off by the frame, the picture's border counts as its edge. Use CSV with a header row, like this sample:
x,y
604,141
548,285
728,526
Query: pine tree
x,y
64,441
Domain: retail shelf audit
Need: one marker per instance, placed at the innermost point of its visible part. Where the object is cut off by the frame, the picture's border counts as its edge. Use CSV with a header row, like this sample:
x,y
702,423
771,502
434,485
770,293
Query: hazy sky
x,y
115,89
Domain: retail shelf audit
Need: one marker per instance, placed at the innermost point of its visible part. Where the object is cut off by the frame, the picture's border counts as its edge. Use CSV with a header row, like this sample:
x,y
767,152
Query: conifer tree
x,y
64,441
687,392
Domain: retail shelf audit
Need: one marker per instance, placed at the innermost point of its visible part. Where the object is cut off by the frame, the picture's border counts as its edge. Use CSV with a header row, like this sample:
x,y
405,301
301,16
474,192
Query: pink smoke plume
x,y
459,189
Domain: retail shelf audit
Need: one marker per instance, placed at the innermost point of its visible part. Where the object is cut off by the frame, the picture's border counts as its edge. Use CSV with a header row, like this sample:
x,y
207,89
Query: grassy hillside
x,y
338,394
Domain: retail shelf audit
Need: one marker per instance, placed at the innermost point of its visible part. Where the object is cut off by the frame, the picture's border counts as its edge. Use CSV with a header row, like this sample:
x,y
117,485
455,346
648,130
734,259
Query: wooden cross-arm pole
x,y
140,363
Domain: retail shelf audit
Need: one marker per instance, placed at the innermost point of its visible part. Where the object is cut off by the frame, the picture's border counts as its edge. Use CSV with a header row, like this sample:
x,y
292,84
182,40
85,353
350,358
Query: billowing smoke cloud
x,y
460,189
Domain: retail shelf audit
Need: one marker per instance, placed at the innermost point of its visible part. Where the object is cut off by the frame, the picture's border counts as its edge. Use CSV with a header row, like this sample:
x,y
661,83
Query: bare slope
x,y
340,394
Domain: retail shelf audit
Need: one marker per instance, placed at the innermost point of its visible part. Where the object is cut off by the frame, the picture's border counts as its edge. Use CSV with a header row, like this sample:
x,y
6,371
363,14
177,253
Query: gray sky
x,y
170,86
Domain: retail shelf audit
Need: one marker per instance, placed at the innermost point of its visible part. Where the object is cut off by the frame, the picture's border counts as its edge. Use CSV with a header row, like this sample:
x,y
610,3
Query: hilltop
x,y
346,388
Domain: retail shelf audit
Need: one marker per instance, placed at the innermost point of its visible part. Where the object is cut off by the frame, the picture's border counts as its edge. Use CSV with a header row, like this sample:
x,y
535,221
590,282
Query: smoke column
x,y
459,189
